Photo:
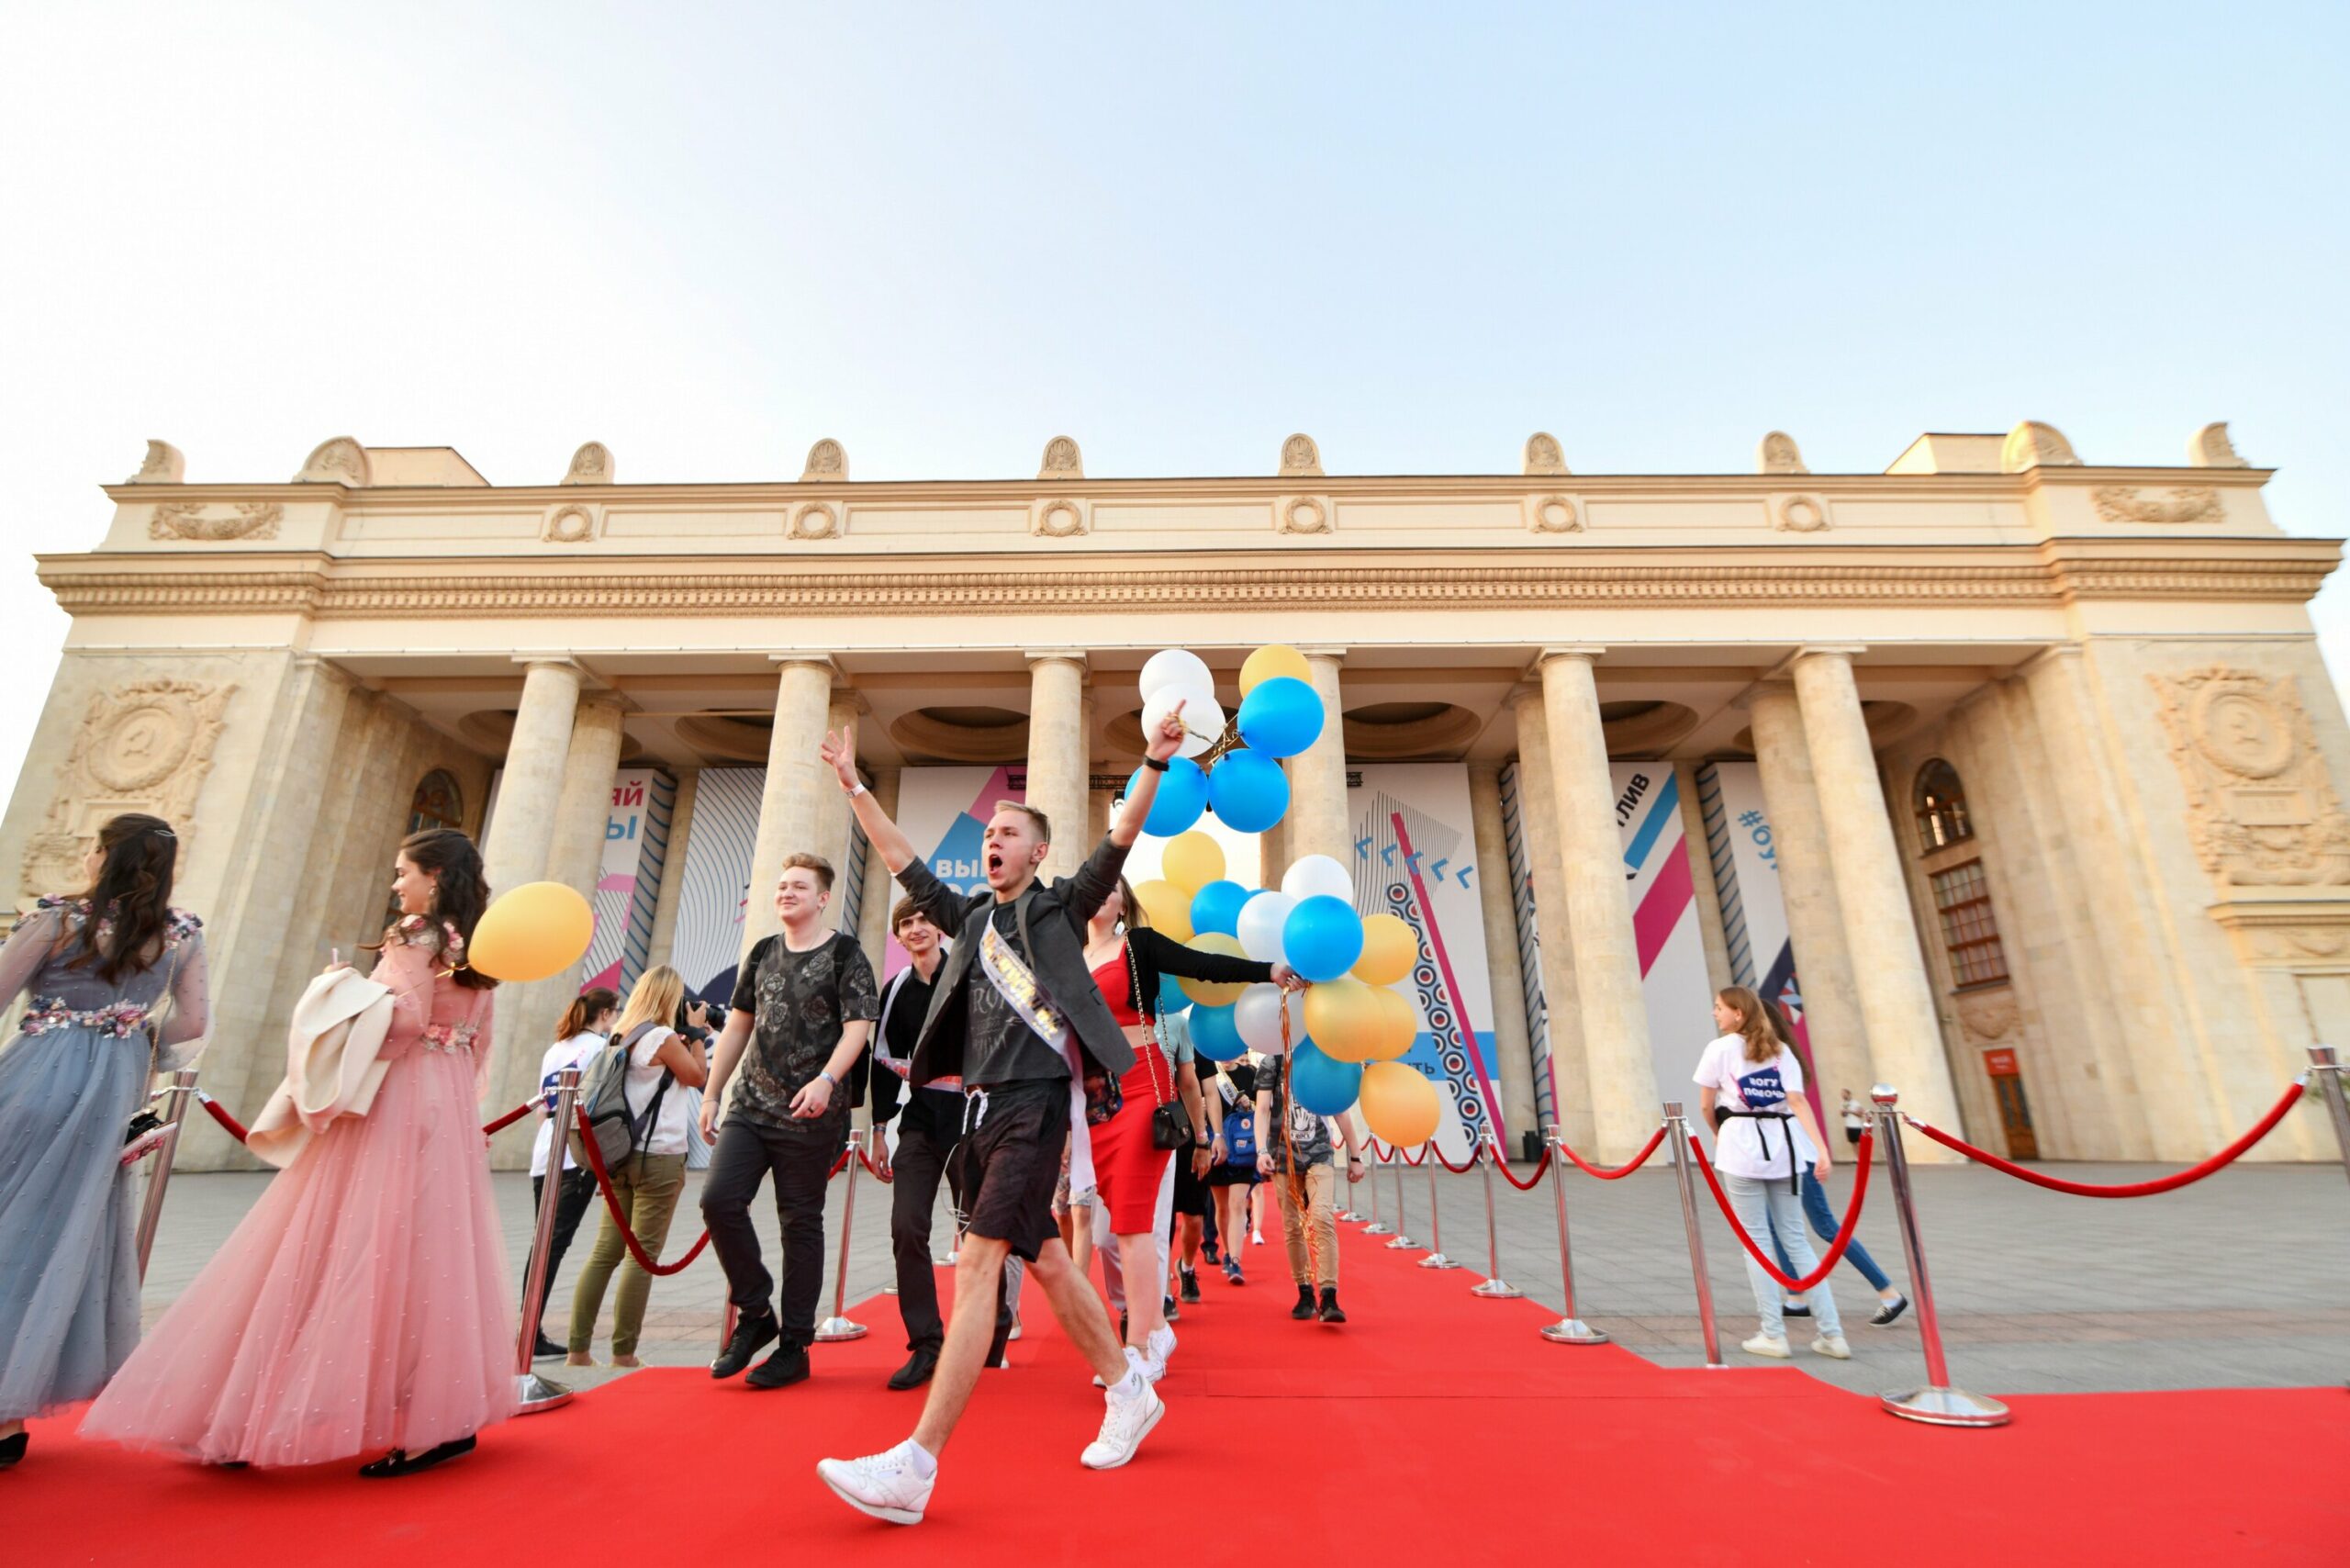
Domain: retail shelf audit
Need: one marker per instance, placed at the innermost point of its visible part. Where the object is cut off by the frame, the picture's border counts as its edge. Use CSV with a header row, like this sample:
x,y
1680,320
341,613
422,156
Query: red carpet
x,y
1435,1428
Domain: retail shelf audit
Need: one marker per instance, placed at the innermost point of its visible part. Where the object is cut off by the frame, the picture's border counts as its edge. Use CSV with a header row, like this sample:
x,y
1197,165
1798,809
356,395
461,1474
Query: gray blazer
x,y
1058,913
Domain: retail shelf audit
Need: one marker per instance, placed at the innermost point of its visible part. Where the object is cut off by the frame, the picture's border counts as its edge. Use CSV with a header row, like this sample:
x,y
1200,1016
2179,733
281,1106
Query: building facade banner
x,y
628,887
1530,946
1755,910
944,812
711,899
1675,986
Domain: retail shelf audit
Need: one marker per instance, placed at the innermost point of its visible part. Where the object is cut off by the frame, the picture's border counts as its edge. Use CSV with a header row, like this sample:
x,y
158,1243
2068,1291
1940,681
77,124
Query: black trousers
x,y
799,1156
571,1201
916,1170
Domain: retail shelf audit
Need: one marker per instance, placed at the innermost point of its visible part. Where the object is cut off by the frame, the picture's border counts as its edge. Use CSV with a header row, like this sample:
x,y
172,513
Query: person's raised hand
x,y
838,753
1168,739
1287,977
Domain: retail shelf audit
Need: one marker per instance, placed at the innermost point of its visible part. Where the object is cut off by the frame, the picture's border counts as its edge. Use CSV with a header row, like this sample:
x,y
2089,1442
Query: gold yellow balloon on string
x,y
1274,659
1399,1106
1389,948
1191,861
1201,992
1166,907
531,931
1343,1018
1398,1023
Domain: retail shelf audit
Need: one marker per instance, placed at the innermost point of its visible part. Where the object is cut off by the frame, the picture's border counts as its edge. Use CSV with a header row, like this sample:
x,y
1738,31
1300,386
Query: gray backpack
x,y
603,1104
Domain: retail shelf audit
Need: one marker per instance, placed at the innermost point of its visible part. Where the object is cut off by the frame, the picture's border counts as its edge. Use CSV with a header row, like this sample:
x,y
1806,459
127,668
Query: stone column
x,y
1513,1052
583,810
1832,1018
1059,782
673,870
794,808
1554,950
1880,931
880,888
1317,824
521,834
1710,930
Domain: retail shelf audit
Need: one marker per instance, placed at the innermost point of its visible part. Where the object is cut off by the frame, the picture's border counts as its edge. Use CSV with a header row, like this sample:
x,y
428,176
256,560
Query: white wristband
x,y
858,788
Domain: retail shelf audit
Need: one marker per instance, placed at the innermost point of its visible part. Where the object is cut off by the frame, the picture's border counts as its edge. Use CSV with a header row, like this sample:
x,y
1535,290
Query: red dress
x,y
1128,1171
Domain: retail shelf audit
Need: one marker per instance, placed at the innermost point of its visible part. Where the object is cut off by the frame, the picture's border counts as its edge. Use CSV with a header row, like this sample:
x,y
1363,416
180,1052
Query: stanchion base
x,y
833,1330
1945,1407
1437,1261
1572,1331
1345,1217
1498,1290
1401,1242
1375,1229
533,1393
888,1290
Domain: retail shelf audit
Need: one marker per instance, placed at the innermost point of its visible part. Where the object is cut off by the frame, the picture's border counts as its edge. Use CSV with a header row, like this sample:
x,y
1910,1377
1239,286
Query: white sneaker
x,y
1157,1350
1832,1345
1765,1345
884,1485
1136,1362
1015,1331
1126,1420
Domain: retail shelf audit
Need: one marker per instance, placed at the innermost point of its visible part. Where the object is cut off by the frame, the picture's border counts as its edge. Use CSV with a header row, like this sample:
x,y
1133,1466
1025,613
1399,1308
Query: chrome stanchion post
x,y
1375,1227
2325,1070
1570,1330
839,1326
1494,1287
159,1180
1400,1240
1677,1134
532,1393
1936,1404
1436,1257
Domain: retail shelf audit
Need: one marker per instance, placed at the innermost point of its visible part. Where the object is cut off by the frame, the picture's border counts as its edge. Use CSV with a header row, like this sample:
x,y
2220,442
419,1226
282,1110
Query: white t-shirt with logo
x,y
1743,1085
576,1051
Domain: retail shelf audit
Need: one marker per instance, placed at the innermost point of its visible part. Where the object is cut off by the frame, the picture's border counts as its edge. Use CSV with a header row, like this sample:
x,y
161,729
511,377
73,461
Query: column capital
x,y
558,661
1335,654
854,700
1587,652
1080,657
1776,684
823,661
2049,656
1523,692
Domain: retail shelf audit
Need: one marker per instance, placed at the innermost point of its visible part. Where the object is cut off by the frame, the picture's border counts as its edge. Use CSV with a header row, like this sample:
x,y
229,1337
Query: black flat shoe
x,y
917,1370
546,1350
1303,1310
1887,1311
1328,1311
786,1366
400,1462
750,1333
13,1448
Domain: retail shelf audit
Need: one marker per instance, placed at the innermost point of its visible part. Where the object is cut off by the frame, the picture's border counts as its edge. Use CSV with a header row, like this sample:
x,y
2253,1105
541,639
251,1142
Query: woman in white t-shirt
x,y
577,1040
1752,1090
662,1065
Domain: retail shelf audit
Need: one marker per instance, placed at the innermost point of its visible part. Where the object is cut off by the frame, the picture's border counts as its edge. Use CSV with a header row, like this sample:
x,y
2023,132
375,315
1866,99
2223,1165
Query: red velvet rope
x,y
512,1116
229,1123
612,1206
1616,1172
2171,1182
1531,1182
1430,1148
1843,1237
1408,1161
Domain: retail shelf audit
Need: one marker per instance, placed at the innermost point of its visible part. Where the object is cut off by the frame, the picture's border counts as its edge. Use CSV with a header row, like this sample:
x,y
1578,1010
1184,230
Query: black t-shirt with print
x,y
999,1047
800,1003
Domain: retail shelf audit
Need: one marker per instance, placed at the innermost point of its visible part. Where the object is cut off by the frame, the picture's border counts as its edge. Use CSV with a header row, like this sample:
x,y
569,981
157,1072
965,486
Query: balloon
x,y
1175,666
1217,906
1344,1019
1399,1105
1213,1036
1282,717
1205,992
1166,907
1322,938
1320,1083
1171,998
1398,1021
1274,659
1318,874
1203,719
1182,796
1259,927
1193,861
1249,790
1258,1015
531,931
1389,949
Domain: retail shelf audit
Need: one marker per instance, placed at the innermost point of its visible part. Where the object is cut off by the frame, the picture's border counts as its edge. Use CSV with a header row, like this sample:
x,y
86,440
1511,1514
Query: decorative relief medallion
x,y
2262,810
1553,514
1777,453
571,524
826,462
1800,514
2211,448
2122,503
1062,460
143,747
1301,514
815,520
186,519
1542,455
591,464
342,461
164,466
1059,519
1301,458
2034,445
1988,1016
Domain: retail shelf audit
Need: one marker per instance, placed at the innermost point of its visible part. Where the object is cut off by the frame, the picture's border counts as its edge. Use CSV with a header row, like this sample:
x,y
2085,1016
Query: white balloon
x,y
1175,666
1315,875
1259,926
1202,719
1257,1016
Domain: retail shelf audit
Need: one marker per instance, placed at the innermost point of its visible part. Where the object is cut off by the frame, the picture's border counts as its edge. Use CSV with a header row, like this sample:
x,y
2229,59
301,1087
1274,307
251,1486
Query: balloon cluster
x,y
1346,1033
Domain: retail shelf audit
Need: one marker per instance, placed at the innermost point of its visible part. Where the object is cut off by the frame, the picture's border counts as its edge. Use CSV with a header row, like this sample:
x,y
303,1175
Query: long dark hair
x,y
585,1009
459,891
131,900
1131,914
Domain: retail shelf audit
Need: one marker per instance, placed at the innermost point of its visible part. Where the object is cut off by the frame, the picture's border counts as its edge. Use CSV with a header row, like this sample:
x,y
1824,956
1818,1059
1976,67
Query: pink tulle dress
x,y
362,1305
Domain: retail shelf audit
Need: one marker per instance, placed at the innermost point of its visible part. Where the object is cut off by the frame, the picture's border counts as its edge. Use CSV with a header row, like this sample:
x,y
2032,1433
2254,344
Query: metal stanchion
x,y
532,1393
726,1321
1375,1227
1570,1330
1436,1257
1936,1404
159,1179
1678,1135
839,1325
1494,1287
2325,1073
1400,1240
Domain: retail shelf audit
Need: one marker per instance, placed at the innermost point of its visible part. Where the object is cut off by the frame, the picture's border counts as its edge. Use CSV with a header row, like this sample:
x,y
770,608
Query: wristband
x,y
857,788
1154,764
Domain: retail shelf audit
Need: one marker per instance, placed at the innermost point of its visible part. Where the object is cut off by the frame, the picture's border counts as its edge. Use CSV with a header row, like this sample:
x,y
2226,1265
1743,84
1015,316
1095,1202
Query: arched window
x,y
1940,800
438,802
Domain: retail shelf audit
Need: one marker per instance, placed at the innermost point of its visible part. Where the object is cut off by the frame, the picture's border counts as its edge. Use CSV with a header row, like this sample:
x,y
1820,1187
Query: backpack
x,y
604,1115
1240,1136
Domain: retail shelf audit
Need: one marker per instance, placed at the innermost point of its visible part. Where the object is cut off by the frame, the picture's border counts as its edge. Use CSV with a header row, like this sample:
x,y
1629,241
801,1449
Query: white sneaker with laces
x,y
1832,1345
1765,1345
1159,1347
1134,1363
885,1485
1126,1420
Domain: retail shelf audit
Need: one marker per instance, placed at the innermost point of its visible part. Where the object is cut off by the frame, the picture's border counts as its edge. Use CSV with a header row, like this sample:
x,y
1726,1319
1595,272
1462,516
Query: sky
x,y
708,235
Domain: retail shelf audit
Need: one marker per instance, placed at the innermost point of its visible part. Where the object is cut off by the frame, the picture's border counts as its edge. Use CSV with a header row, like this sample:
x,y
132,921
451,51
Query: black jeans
x,y
571,1201
923,1144
800,1156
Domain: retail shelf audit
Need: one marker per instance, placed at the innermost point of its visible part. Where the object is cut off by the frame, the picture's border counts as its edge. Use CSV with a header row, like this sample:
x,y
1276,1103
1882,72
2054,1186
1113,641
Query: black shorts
x,y
1012,1154
1853,1136
1191,1195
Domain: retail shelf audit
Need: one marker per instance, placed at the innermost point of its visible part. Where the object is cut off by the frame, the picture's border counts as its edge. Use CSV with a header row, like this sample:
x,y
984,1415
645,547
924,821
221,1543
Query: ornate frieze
x,y
189,519
1553,514
2262,811
1303,514
2123,503
814,520
145,745
571,524
1060,517
1800,514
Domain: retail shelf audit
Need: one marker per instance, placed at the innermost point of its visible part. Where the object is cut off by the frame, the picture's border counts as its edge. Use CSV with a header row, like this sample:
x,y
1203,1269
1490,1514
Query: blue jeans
x,y
1824,1222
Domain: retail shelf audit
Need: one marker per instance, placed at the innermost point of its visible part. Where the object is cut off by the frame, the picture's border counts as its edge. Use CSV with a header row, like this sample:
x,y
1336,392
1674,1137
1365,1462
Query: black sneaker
x,y
1191,1277
400,1462
917,1370
750,1333
1887,1311
1122,1329
1169,1308
1303,1311
1208,1251
786,1366
1328,1311
546,1350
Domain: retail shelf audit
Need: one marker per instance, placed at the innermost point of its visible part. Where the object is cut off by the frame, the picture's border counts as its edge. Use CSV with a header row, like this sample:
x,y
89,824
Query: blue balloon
x,y
1182,796
1217,907
1322,1083
1215,1036
1172,997
1280,717
1322,938
1249,790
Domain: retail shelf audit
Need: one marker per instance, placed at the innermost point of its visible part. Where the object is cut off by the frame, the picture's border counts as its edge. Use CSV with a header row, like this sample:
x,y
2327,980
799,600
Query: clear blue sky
x,y
707,235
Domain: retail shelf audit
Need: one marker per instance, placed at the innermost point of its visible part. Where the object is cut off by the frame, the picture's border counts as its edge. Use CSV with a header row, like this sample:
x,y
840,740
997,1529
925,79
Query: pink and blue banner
x,y
1661,890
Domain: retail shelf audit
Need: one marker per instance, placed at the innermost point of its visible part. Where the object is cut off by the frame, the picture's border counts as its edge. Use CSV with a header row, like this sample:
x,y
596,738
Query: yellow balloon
x,y
1389,948
1193,861
1399,1106
1166,907
1342,1017
1201,991
531,931
1271,660
1398,1023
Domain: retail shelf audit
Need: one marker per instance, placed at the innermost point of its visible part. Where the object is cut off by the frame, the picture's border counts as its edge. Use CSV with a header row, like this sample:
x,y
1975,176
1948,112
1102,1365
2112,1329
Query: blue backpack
x,y
1240,1136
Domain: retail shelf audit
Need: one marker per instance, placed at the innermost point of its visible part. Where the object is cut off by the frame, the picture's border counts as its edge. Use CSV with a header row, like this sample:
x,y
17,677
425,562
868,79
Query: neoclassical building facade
x,y
2050,763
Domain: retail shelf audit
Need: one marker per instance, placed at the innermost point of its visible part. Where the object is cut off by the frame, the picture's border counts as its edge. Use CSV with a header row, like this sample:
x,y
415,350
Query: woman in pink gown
x,y
362,1304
